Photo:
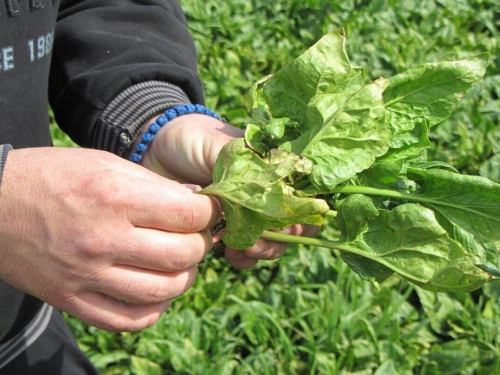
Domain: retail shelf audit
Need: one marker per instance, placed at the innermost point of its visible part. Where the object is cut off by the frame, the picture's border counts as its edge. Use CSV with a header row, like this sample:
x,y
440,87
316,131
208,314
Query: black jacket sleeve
x,y
105,50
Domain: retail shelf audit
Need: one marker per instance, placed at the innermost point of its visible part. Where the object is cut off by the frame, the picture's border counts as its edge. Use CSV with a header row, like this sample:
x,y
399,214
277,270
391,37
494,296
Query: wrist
x,y
149,132
126,114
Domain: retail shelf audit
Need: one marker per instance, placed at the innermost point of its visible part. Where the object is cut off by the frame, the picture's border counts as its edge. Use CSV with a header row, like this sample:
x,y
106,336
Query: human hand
x,y
186,150
85,230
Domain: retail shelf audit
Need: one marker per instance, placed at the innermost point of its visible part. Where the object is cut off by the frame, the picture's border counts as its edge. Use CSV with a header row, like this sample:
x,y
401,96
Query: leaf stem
x,y
312,241
289,238
346,189
331,213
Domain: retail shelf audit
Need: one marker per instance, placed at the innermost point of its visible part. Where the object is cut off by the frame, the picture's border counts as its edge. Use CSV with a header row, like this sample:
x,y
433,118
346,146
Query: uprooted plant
x,y
326,143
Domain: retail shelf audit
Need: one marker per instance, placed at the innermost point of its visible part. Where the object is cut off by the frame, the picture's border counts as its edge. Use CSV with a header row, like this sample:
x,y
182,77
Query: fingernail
x,y
194,188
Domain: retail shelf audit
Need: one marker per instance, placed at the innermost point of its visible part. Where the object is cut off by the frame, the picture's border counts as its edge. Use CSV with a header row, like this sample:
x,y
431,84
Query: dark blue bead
x,y
147,137
180,110
200,109
141,147
136,158
170,114
154,128
161,120
190,108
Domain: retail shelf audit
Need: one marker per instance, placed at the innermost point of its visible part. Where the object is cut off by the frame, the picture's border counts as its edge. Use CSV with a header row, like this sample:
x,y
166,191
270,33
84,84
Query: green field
x,y
308,313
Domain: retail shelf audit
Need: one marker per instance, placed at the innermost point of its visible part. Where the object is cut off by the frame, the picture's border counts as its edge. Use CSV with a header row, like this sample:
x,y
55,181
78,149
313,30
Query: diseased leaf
x,y
268,134
256,139
430,92
256,97
409,241
353,219
255,195
347,132
387,168
322,69
470,202
479,253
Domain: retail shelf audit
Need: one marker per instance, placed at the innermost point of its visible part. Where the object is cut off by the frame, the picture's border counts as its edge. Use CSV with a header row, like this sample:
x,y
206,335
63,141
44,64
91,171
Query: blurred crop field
x,y
308,313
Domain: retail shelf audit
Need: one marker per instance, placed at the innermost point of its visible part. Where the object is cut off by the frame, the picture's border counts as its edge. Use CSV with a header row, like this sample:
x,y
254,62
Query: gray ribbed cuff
x,y
4,150
124,117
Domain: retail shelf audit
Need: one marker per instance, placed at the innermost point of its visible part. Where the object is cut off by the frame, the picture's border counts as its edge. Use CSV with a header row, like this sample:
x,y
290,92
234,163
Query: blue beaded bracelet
x,y
162,120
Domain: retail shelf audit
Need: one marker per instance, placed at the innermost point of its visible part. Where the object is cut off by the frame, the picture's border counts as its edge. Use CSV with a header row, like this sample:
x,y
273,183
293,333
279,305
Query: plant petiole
x,y
289,238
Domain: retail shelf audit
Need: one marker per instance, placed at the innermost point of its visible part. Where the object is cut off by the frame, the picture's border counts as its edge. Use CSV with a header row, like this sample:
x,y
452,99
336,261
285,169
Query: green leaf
x,y
459,356
347,133
255,195
143,366
469,202
324,68
256,97
387,168
256,139
103,360
430,92
409,241
491,168
387,368
353,219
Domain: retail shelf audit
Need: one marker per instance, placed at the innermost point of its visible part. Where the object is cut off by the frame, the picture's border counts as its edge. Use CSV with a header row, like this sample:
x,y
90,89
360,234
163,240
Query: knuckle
x,y
180,261
157,294
94,243
125,324
192,218
201,214
115,324
142,291
194,250
107,189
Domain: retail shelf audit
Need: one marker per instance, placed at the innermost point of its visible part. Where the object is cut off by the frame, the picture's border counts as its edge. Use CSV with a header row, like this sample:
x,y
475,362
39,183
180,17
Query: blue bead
x,y
147,137
200,109
141,147
154,128
136,158
161,120
170,114
180,110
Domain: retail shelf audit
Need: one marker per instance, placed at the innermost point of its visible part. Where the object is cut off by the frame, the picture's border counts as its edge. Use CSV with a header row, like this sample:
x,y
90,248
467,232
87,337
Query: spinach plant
x,y
327,143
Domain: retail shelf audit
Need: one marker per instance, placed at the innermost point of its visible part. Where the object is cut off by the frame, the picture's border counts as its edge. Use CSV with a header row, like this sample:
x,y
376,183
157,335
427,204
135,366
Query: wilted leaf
x,y
322,69
255,194
346,133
